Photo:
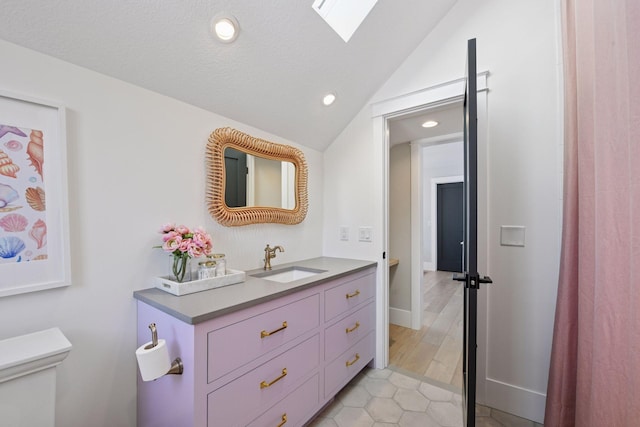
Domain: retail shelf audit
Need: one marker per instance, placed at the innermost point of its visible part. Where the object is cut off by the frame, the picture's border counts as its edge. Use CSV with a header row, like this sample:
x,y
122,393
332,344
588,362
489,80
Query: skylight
x,y
344,16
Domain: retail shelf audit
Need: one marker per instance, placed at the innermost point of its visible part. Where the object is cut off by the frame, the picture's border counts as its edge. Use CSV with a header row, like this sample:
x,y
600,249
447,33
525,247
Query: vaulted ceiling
x,y
272,77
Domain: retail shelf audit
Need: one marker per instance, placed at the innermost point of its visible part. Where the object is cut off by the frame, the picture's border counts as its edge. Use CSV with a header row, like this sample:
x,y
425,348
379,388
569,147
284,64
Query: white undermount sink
x,y
288,274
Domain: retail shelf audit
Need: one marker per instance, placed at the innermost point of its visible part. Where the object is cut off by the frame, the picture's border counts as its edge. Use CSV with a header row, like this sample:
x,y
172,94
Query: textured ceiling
x,y
272,77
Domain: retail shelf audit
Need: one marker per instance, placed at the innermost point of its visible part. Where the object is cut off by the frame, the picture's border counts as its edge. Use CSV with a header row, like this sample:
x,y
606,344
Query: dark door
x,y
449,216
470,276
235,165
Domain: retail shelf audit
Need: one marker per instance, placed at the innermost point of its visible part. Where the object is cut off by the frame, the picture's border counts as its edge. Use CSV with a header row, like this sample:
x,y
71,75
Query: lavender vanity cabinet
x,y
245,369
349,330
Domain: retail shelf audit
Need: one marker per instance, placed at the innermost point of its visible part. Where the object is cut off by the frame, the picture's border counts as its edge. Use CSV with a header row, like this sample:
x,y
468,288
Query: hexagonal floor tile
x,y
445,413
384,410
379,387
378,373
404,381
353,417
415,419
411,400
356,396
434,393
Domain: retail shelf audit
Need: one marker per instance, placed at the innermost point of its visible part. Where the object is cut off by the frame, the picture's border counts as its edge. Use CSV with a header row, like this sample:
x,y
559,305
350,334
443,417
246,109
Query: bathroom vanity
x,y
270,351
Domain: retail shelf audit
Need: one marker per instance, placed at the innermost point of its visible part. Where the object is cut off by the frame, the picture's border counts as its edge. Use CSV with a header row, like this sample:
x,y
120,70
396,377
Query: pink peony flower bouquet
x,y
183,243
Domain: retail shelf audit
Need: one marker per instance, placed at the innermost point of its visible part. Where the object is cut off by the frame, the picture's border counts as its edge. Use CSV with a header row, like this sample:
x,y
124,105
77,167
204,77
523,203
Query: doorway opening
x,y
425,236
383,114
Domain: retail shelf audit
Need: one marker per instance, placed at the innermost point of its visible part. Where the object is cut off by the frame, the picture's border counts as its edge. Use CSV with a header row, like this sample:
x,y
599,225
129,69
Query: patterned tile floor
x,y
390,398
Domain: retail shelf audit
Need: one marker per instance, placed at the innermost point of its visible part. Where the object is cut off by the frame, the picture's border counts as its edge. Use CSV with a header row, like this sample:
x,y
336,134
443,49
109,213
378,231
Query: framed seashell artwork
x,y
34,214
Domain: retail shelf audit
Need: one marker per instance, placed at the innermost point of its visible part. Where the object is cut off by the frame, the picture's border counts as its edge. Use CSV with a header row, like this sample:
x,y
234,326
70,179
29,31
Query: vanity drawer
x,y
261,387
233,346
345,296
295,409
348,364
348,331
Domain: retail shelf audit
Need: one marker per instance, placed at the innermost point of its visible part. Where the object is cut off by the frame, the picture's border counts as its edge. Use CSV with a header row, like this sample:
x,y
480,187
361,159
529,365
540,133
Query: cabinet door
x,y
348,295
251,393
256,336
348,364
348,331
294,409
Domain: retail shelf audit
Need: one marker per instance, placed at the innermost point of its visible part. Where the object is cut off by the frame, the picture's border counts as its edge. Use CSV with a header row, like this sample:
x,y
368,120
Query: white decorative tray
x,y
176,288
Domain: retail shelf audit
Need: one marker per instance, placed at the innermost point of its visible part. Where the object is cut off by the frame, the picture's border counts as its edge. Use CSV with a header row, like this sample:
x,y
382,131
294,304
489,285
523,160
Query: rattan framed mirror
x,y
220,178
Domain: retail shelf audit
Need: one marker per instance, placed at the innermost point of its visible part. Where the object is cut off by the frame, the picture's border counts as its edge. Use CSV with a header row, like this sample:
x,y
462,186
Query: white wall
x,y
135,161
518,43
353,191
442,160
400,234
268,182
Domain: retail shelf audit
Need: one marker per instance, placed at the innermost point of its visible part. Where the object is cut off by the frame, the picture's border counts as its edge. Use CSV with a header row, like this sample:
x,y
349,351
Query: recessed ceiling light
x,y
429,124
225,28
328,99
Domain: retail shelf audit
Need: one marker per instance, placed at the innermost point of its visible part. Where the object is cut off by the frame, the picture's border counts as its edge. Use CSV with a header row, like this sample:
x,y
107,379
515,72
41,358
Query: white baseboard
x,y
428,266
400,317
515,400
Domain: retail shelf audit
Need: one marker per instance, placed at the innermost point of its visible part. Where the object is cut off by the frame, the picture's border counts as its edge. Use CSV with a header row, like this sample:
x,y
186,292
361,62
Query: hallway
x,y
434,351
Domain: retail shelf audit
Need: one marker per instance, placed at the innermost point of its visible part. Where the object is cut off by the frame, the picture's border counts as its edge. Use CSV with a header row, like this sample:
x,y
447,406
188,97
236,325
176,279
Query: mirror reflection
x,y
252,180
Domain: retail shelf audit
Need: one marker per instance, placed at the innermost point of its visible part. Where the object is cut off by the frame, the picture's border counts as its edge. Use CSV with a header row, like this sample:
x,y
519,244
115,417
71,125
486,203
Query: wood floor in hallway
x,y
434,351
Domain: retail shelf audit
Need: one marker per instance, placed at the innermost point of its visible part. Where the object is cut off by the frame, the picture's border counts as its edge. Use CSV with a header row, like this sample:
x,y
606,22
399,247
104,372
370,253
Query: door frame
x,y
381,113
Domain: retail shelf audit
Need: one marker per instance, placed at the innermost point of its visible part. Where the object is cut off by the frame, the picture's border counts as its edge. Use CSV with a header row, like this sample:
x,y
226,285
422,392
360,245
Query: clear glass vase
x,y
181,268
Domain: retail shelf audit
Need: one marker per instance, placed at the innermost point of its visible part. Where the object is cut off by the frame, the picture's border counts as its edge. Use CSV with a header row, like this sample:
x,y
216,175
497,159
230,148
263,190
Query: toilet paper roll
x,y
153,362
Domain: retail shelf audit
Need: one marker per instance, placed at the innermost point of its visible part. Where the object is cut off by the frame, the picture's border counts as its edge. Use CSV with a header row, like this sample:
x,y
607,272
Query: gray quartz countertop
x,y
201,306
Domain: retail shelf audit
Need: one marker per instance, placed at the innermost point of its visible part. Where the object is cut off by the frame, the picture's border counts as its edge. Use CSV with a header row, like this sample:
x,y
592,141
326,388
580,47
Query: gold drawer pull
x,y
355,294
265,384
351,362
349,330
281,328
284,420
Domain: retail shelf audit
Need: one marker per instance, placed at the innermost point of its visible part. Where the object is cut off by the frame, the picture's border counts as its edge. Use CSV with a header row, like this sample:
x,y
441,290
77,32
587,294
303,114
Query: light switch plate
x,y
512,235
344,233
364,234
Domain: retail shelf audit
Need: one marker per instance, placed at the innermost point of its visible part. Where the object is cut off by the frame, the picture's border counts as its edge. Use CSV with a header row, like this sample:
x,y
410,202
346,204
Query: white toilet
x,y
28,378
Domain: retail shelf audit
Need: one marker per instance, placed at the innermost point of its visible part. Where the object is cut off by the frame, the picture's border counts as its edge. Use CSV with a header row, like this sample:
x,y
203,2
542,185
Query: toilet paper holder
x,y
176,366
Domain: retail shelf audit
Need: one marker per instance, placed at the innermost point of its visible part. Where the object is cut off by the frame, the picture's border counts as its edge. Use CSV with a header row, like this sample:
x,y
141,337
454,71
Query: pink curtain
x,y
594,379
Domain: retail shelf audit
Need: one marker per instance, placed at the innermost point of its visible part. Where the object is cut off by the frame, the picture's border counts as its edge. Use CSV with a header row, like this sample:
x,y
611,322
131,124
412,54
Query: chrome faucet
x,y
270,253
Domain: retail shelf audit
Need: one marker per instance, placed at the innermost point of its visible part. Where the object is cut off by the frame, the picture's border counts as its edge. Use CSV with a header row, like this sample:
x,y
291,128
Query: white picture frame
x,y
34,227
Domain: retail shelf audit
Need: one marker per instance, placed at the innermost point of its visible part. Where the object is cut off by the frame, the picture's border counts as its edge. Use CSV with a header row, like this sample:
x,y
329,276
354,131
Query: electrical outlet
x,y
364,234
344,233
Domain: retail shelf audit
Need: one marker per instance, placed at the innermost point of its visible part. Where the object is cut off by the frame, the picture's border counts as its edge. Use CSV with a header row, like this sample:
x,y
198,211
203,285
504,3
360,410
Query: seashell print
x,y
10,246
13,145
10,208
7,167
35,198
4,129
39,233
35,150
40,257
13,223
7,195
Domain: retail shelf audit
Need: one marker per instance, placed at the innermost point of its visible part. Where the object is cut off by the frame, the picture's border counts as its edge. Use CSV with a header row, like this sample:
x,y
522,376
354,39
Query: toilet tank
x,y
28,377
